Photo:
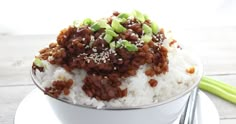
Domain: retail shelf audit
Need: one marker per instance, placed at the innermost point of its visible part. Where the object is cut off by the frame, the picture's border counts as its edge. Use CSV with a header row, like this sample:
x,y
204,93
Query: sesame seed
x,y
130,30
102,57
155,44
162,36
88,60
101,35
86,46
94,49
128,21
84,54
50,58
91,37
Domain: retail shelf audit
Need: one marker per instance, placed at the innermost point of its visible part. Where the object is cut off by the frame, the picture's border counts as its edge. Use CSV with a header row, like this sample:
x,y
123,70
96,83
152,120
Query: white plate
x,y
34,109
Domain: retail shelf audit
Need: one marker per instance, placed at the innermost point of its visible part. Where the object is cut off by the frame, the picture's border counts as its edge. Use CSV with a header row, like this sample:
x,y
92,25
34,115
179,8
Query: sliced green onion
x,y
111,32
147,29
100,24
227,87
117,26
103,23
217,91
88,21
146,16
95,27
122,20
154,27
118,44
138,15
108,38
130,47
123,15
112,45
76,23
38,62
146,38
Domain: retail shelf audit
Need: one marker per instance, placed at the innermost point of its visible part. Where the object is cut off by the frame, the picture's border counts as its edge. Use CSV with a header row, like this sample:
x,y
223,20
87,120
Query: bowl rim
x,y
172,99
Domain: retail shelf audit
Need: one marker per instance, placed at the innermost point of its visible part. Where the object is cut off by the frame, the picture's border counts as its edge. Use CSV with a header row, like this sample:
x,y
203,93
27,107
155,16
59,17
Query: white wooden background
x,y
26,25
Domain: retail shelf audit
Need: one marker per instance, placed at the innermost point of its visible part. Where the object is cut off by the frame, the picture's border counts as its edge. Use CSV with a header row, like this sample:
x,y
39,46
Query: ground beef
x,y
106,68
190,70
59,87
153,82
172,42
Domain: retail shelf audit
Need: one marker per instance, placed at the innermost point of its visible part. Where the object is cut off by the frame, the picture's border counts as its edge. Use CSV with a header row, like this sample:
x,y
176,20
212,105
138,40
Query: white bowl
x,y
165,112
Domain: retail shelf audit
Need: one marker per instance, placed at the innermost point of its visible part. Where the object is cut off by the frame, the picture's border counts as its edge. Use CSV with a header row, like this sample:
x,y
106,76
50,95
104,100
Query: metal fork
x,y
187,117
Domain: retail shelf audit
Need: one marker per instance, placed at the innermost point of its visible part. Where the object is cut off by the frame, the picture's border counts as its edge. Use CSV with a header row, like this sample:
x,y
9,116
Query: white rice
x,y
170,84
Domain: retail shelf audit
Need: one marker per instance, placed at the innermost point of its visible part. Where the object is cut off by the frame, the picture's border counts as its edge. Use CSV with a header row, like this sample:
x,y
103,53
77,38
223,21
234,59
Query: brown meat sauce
x,y
106,68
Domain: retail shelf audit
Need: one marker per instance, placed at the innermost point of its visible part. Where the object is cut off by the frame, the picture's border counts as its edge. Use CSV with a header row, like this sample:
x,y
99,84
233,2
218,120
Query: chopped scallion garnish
x,y
103,24
118,44
122,20
138,15
111,32
100,24
147,29
108,38
95,27
146,38
123,15
112,45
117,26
38,62
88,21
76,23
129,46
154,27
146,16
